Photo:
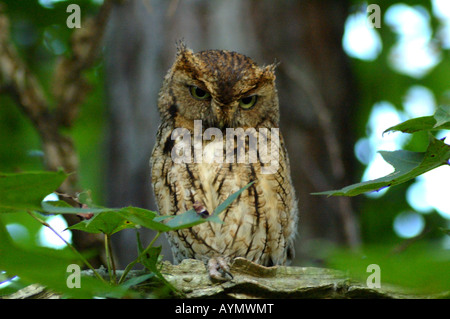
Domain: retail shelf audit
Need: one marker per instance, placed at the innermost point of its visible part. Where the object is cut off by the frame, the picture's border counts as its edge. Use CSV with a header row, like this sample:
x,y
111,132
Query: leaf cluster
x,y
408,165
24,193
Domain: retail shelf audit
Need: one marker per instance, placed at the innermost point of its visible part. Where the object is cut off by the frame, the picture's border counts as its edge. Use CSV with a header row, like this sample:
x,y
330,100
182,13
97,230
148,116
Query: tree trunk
x,y
133,76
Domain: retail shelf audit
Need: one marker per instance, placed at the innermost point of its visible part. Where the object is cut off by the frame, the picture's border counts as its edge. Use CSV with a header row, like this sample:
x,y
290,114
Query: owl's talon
x,y
219,270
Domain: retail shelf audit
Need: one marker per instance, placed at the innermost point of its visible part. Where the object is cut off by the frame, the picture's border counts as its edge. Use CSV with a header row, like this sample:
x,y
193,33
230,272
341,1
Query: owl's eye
x,y
248,102
198,93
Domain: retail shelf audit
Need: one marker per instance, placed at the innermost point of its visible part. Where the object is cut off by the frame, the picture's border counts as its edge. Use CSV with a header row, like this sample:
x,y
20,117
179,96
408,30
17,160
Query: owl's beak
x,y
223,113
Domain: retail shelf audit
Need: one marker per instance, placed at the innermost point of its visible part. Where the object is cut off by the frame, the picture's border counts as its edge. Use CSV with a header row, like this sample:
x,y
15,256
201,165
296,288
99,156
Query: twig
x,y
134,262
110,260
44,223
69,85
410,241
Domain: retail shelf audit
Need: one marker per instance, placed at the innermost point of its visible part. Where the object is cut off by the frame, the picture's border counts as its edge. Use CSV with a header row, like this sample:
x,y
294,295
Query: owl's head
x,y
221,88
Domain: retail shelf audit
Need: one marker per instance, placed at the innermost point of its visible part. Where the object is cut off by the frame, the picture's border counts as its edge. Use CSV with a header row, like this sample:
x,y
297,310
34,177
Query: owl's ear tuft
x,y
185,56
183,51
269,71
271,67
181,46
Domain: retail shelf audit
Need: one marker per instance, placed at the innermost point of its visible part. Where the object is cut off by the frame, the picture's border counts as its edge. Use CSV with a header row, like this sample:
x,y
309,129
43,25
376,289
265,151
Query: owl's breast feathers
x,y
259,225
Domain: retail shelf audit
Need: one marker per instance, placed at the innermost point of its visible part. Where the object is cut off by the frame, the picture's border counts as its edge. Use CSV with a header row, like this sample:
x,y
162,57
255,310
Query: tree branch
x,y
333,147
252,281
69,90
69,85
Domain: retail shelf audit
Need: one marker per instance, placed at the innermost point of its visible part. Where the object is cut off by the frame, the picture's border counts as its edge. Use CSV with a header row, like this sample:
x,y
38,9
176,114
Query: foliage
x,y
407,164
34,185
413,267
24,192
41,37
377,81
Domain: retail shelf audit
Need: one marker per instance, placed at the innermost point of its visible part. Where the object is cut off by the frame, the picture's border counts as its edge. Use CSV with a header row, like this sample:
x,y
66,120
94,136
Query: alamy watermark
x,y
374,17
74,278
74,19
240,146
374,280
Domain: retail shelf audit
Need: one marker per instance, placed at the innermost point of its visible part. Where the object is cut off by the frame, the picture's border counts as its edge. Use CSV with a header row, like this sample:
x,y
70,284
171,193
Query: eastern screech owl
x,y
224,90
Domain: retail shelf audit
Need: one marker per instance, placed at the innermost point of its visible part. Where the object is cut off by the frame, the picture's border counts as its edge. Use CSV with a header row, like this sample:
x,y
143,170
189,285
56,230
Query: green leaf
x,y
440,120
61,207
143,217
185,220
112,220
231,199
190,218
150,260
105,220
442,117
108,220
414,125
25,191
85,198
49,268
137,280
407,165
107,223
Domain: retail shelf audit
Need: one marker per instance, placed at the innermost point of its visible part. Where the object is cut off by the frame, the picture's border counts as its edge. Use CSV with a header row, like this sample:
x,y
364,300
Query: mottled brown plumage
x,y
214,86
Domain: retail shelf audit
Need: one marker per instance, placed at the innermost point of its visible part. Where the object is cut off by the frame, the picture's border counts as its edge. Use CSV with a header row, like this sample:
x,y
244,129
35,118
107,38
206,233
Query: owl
x,y
207,97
